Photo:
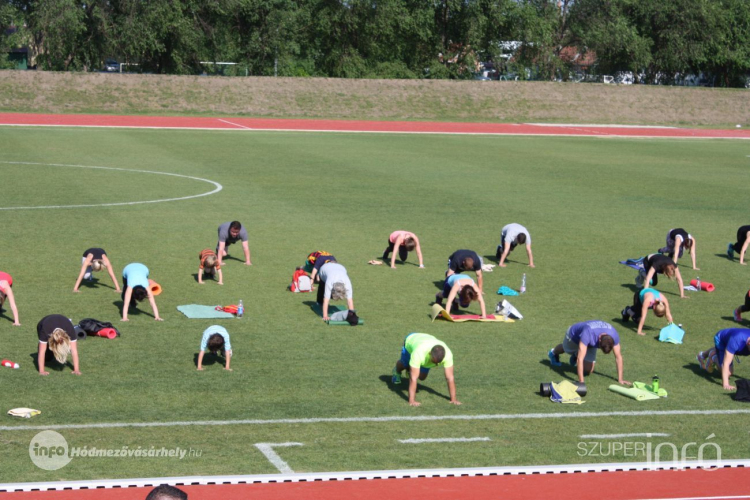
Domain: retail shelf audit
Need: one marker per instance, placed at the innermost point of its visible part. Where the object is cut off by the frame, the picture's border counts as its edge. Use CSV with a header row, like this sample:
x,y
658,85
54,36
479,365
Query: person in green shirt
x,y
421,352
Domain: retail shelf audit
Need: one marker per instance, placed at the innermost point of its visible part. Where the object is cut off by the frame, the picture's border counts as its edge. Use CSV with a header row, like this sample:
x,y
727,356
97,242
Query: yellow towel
x,y
565,392
23,412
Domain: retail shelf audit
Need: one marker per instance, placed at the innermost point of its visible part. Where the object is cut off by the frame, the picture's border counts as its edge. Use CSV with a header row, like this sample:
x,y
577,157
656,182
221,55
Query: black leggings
x,y
403,253
745,308
741,237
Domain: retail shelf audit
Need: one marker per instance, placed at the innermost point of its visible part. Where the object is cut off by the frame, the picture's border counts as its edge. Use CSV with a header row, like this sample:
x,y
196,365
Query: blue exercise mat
x,y
196,311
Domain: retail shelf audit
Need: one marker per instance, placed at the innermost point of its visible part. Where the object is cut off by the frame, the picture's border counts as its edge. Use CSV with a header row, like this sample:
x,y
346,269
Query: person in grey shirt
x,y
232,232
511,236
334,285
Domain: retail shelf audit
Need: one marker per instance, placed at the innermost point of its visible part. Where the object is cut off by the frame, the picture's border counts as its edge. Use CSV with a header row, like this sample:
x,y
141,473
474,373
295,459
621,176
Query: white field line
x,y
338,131
217,187
616,436
235,124
274,458
344,420
443,440
383,474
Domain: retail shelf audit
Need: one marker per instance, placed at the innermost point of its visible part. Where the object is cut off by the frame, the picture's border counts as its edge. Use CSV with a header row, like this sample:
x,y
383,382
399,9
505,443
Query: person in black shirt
x,y
655,264
94,259
466,260
56,332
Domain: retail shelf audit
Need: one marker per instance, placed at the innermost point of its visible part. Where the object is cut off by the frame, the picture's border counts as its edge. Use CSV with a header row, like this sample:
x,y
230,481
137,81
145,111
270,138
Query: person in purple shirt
x,y
728,343
582,341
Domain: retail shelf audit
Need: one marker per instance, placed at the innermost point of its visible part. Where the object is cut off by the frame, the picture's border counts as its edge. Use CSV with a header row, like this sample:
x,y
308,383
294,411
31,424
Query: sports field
x,y
588,203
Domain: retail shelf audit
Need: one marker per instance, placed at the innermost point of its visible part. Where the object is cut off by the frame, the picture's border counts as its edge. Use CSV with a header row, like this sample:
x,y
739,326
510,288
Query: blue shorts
x,y
720,352
406,357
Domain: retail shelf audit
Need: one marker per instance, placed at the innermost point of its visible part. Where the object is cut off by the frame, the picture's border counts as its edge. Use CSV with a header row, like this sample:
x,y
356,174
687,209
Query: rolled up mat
x,y
80,333
154,287
107,333
633,393
545,389
705,286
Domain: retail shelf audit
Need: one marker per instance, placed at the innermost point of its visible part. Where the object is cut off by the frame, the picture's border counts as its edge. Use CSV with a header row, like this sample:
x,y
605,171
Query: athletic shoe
x,y
625,315
737,315
702,361
574,360
730,251
554,359
396,376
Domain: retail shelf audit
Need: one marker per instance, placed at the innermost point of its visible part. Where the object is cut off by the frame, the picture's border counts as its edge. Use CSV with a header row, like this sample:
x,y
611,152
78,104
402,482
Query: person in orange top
x,y
6,292
209,264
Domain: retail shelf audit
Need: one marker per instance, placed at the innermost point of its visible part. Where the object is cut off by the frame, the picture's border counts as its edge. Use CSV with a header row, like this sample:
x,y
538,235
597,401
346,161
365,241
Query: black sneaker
x,y
625,315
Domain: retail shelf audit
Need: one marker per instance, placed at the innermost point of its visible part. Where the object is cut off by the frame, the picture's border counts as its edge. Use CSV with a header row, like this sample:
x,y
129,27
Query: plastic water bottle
x,y
655,384
698,283
523,283
240,310
9,364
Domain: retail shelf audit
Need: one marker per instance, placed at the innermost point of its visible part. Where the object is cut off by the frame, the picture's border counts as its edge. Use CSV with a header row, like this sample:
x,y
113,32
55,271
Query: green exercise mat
x,y
196,311
633,392
332,309
640,385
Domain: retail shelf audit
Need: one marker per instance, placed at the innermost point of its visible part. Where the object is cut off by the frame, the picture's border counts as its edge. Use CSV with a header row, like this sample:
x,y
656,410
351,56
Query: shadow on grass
x,y
132,311
206,277
94,283
403,389
630,286
697,370
209,359
725,256
438,284
50,363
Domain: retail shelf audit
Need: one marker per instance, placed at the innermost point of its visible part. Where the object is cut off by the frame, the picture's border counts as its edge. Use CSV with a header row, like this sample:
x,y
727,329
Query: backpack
x,y
300,281
231,309
92,326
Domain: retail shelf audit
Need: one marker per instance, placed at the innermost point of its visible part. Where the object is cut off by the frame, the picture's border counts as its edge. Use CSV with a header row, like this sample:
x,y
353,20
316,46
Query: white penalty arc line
x,y
443,440
617,436
217,187
402,419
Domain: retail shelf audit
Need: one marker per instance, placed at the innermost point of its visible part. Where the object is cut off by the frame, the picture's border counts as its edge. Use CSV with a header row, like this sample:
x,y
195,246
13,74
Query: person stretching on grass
x,y
743,238
135,288
461,287
655,264
728,343
57,332
582,341
229,233
334,285
318,261
511,236
677,241
466,260
419,353
402,242
215,339
209,264
643,300
93,260
6,293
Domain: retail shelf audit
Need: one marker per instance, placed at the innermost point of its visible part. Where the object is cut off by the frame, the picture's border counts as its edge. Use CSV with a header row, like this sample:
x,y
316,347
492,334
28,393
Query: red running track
x,y
630,485
185,122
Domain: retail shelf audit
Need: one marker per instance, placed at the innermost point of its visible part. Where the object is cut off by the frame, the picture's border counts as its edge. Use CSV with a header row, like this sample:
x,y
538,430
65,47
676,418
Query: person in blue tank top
x,y
643,300
582,341
463,288
728,343
135,288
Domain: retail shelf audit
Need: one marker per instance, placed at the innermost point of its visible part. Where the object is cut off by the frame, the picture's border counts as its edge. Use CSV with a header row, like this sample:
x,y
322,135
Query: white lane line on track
x,y
235,124
402,419
217,187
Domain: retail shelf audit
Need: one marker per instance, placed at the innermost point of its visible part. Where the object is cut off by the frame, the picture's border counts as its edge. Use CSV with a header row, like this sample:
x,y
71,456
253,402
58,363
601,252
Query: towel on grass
x,y
633,392
636,264
504,290
333,309
438,310
505,308
23,412
565,392
195,311
671,333
647,387
487,268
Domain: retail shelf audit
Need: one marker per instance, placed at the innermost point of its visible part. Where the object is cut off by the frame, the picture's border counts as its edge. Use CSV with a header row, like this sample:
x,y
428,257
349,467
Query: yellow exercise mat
x,y
633,392
438,310
23,412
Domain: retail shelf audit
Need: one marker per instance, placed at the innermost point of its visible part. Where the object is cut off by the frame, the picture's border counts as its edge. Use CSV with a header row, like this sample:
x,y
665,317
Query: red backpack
x,y
300,281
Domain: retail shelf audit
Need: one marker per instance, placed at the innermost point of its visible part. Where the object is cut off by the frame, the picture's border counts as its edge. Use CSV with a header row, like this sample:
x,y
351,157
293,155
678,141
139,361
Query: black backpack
x,y
91,326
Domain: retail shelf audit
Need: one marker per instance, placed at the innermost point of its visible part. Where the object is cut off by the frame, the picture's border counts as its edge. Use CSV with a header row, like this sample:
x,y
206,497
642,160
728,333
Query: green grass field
x,y
587,202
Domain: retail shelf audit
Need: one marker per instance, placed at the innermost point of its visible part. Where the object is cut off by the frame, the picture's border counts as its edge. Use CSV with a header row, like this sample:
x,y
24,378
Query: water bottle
x,y
9,364
698,283
655,384
240,310
523,283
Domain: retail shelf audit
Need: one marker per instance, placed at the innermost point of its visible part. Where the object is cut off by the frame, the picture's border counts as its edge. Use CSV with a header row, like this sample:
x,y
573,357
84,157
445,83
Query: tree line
x,y
657,40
